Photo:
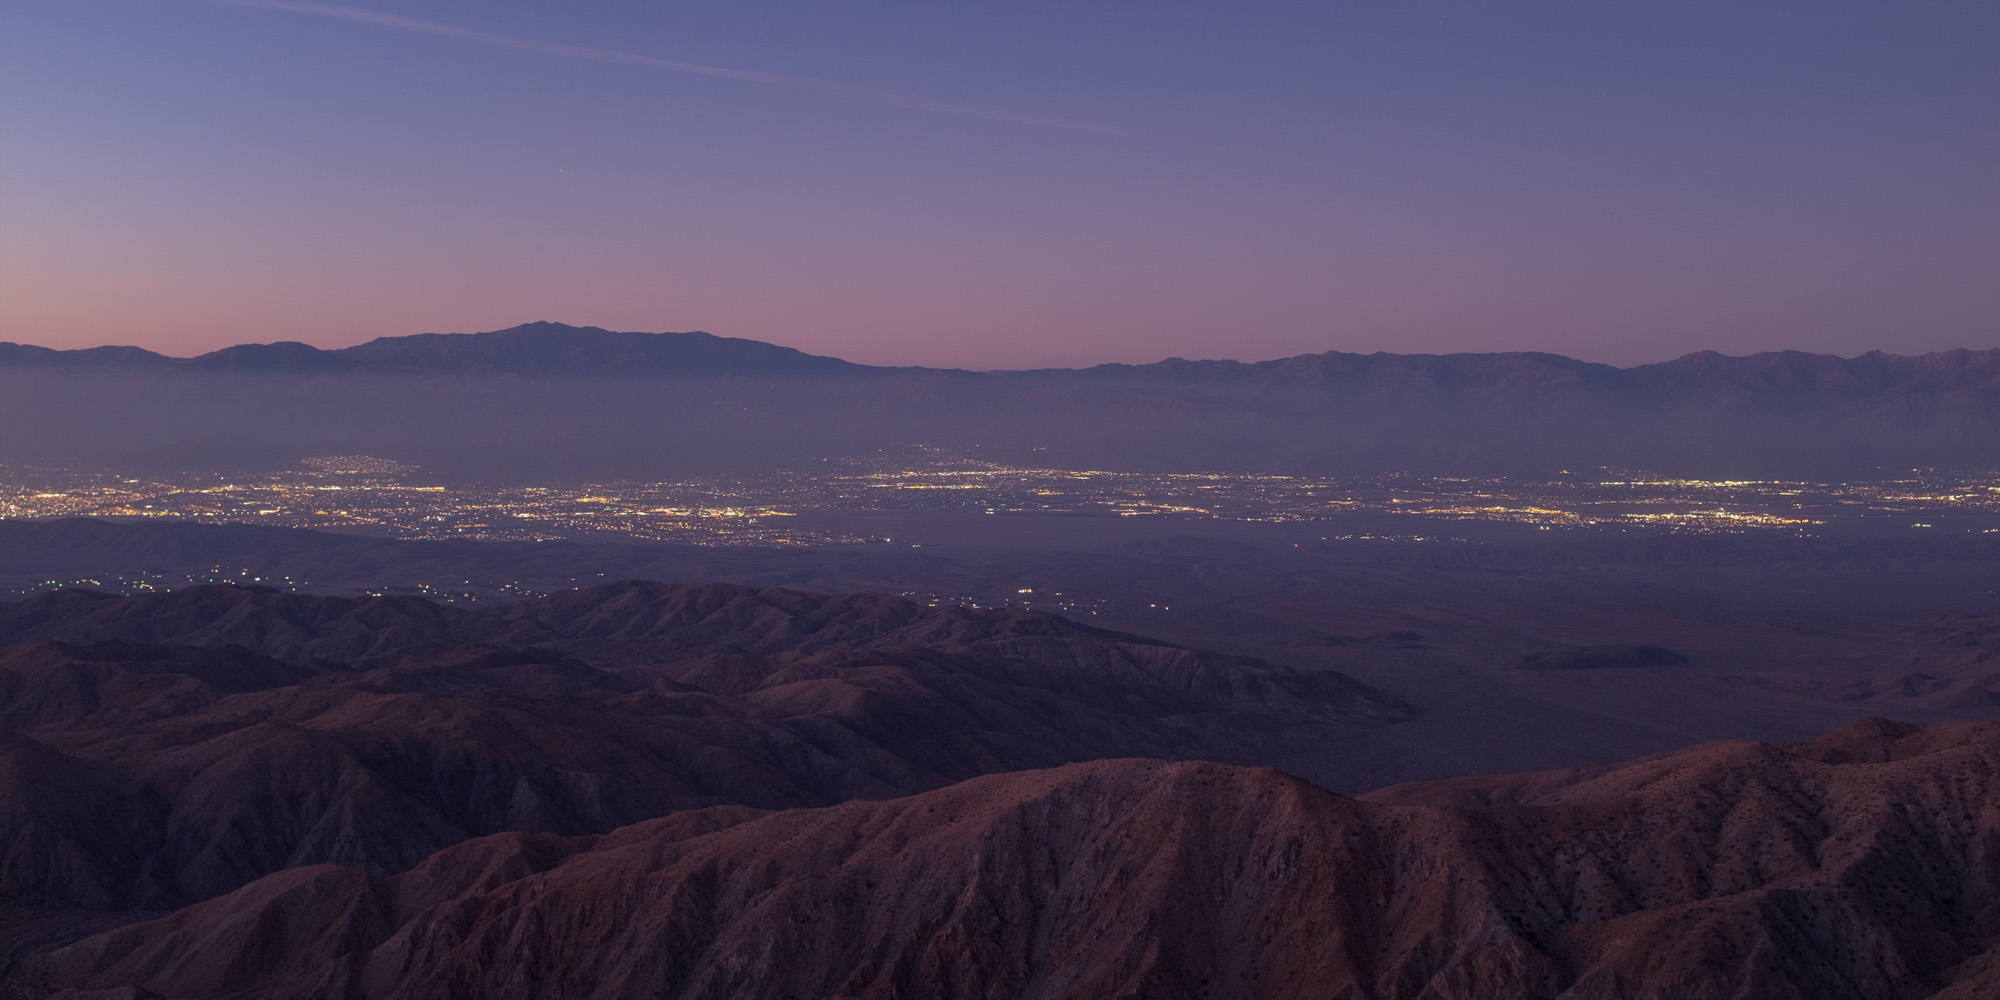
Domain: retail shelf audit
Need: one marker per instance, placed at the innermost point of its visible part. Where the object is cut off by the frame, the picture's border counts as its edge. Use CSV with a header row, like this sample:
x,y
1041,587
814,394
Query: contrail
x,y
851,91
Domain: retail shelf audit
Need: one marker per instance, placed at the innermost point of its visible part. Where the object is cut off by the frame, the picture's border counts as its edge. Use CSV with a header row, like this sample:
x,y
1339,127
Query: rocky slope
x,y
206,737
1865,864
1951,664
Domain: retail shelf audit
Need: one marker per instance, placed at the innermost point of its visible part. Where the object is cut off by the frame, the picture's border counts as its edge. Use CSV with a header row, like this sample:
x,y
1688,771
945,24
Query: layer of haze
x,y
1622,182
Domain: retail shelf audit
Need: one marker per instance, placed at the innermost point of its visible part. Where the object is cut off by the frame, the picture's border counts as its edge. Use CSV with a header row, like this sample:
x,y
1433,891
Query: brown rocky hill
x,y
263,619
660,623
152,772
1865,864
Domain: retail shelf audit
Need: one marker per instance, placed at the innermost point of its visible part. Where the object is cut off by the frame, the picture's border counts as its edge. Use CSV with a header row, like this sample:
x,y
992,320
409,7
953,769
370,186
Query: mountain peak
x,y
284,356
558,349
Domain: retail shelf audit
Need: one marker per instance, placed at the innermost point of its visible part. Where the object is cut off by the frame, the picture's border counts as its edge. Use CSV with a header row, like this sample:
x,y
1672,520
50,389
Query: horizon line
x,y
995,371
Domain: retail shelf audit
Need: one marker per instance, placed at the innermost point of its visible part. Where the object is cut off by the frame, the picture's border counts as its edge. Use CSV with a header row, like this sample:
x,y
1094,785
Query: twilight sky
x,y
1008,184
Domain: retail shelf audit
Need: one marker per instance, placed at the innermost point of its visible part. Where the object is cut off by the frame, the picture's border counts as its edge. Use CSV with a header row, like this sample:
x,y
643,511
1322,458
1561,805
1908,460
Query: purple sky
x,y
1008,185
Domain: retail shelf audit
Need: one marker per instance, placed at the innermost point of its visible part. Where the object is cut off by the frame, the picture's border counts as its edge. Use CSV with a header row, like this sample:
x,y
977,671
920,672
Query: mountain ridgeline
x,y
708,791
545,400
533,349
160,749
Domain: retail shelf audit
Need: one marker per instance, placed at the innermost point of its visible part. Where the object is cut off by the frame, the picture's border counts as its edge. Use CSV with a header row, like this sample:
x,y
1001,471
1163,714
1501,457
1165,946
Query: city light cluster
x,y
359,494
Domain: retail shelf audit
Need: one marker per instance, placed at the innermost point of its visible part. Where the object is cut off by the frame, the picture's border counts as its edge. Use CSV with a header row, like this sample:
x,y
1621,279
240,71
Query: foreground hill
x,y
545,400
1865,864
160,749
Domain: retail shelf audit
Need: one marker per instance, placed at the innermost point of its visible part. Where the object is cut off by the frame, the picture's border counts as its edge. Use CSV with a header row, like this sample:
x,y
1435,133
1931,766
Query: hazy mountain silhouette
x,y
125,358
548,401
532,349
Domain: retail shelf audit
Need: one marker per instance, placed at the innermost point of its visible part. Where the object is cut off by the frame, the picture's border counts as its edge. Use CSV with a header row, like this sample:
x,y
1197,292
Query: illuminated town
x,y
357,494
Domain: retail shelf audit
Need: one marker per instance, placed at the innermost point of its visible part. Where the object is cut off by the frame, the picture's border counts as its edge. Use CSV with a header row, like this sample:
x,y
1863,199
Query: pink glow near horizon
x,y
899,190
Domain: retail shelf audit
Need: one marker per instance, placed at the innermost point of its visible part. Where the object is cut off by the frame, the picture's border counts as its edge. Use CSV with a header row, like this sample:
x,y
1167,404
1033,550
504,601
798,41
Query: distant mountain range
x,y
534,349
557,350
545,400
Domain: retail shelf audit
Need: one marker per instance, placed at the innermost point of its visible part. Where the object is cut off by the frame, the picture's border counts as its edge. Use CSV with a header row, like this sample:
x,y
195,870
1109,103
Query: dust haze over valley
x,y
545,401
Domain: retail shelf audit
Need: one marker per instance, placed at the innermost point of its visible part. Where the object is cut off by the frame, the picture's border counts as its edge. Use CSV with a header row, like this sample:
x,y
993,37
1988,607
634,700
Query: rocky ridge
x,y
165,748
1865,864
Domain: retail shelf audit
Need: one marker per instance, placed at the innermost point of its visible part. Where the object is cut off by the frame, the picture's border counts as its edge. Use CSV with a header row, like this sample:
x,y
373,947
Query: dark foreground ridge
x,y
161,749
1859,865
641,789
549,401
